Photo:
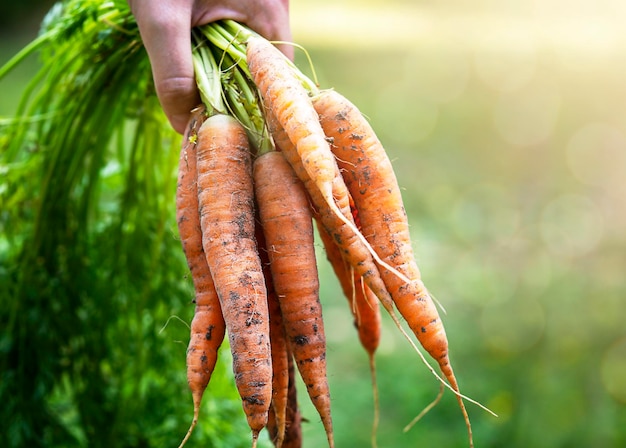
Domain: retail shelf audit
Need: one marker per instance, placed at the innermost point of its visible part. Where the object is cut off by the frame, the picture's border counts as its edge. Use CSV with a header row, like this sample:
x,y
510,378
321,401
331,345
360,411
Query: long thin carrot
x,y
293,434
286,219
226,199
207,325
371,180
352,249
293,430
364,307
290,103
280,351
288,100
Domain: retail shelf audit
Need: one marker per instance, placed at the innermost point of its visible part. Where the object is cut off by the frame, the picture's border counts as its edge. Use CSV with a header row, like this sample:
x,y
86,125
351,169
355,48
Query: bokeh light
x,y
416,123
444,80
571,225
613,370
505,70
514,325
527,116
596,155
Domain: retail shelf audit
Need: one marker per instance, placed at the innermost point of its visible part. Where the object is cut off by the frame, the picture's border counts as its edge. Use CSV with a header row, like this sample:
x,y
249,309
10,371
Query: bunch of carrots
x,y
266,160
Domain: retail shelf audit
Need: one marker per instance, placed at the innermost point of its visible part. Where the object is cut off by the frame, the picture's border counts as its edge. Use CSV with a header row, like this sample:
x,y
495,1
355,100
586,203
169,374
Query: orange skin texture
x,y
226,205
287,224
280,350
286,98
207,325
293,430
370,178
363,303
351,247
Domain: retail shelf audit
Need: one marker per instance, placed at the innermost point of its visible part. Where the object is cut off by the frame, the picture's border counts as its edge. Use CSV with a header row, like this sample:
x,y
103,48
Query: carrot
x,y
364,307
293,434
280,351
207,326
370,178
363,303
226,204
288,101
352,249
287,225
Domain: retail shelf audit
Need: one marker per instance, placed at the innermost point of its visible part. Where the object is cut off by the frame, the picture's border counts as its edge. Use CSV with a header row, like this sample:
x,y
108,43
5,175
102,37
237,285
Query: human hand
x,y
165,27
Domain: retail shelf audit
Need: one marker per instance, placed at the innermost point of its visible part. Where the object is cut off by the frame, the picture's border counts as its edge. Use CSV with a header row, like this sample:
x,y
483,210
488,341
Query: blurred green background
x,y
506,122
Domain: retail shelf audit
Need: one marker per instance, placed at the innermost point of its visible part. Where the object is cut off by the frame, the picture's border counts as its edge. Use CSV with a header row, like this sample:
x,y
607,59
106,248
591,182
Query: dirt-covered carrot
x,y
226,199
289,101
352,249
286,219
371,180
364,307
207,325
285,97
293,430
293,433
280,351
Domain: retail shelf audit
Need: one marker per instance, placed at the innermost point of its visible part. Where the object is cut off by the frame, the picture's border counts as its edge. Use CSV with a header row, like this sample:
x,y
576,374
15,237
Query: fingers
x,y
269,18
164,28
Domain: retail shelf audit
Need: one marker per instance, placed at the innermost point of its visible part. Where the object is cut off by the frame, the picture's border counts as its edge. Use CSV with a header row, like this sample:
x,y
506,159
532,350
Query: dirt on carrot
x,y
207,325
371,180
226,205
286,219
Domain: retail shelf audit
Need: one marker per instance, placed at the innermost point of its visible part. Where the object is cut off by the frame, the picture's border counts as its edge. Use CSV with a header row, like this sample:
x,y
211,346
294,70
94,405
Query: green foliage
x,y
91,265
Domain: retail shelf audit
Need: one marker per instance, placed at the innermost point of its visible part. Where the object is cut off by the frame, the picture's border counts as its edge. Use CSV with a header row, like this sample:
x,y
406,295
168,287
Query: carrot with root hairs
x,y
370,178
352,250
287,99
351,247
364,308
226,200
207,325
287,224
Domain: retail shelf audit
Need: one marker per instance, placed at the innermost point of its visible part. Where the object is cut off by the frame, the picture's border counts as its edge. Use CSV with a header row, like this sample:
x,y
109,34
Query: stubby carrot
x,y
226,200
207,325
286,220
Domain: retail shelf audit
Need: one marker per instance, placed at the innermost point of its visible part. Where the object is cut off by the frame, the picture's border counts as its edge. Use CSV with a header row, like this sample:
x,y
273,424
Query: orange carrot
x,y
293,433
352,249
207,326
370,178
288,101
287,225
364,307
226,200
280,351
